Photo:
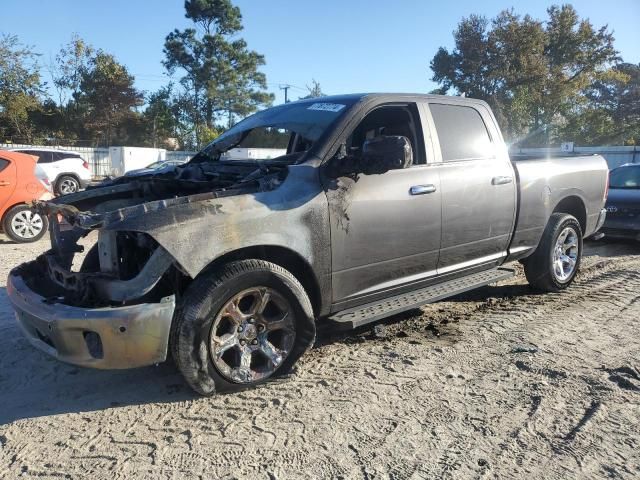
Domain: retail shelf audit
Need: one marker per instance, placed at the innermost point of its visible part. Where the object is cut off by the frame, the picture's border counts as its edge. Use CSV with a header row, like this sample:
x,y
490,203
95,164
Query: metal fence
x,y
99,159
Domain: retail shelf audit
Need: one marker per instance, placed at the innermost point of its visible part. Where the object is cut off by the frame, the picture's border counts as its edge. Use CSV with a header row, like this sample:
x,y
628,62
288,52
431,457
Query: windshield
x,y
625,177
155,165
285,130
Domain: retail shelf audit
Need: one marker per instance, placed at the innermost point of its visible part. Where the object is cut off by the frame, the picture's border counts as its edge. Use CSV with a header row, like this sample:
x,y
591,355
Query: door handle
x,y
422,189
4,183
501,180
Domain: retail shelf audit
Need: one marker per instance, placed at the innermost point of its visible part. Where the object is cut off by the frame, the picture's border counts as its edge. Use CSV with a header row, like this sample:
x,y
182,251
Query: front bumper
x,y
105,338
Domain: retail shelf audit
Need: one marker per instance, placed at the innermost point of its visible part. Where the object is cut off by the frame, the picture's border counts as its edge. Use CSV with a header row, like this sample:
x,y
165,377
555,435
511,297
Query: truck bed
x,y
576,179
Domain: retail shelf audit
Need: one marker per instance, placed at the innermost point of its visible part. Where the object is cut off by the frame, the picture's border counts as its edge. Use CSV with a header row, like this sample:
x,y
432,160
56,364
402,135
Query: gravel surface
x,y
498,383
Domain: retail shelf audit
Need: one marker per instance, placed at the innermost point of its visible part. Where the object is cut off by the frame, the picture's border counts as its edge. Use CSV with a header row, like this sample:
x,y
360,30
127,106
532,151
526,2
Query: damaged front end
x,y
111,305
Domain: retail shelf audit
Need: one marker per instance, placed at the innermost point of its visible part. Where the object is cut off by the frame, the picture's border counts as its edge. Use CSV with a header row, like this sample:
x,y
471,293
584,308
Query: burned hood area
x,y
134,216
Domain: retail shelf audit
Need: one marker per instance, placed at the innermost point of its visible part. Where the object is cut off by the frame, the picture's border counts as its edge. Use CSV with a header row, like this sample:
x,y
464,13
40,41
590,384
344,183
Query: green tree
x,y
221,74
71,63
107,97
21,89
315,90
159,118
532,73
611,114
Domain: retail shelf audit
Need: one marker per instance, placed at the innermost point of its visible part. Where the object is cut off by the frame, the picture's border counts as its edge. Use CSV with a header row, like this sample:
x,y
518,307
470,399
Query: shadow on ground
x,y
33,385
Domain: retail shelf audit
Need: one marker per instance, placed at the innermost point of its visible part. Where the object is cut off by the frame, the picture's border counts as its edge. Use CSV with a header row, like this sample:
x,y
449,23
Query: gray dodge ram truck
x,y
381,203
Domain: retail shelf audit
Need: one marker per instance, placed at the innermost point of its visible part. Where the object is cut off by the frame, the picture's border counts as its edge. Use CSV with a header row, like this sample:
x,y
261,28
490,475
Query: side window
x,y
59,156
3,164
43,155
462,133
389,121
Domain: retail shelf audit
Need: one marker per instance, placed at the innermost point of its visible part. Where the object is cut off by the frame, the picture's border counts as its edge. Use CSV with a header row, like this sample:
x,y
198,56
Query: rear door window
x,y
43,155
462,133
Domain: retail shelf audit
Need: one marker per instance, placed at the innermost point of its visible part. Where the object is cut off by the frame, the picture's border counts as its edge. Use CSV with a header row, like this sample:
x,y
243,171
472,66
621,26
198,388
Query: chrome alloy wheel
x,y
252,335
68,185
565,254
27,224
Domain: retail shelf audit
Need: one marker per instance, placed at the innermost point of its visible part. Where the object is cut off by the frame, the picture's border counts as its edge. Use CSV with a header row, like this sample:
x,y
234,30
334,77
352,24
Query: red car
x,y
19,185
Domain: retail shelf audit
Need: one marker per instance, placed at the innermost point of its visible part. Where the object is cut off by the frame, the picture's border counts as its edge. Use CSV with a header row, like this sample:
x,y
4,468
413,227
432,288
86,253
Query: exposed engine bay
x,y
127,264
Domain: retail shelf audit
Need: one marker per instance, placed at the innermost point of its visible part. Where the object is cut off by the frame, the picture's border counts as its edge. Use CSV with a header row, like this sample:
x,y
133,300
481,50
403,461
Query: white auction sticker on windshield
x,y
327,107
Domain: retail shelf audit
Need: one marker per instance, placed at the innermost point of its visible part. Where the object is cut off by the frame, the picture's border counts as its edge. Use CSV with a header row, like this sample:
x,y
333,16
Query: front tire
x,y
21,224
555,263
239,325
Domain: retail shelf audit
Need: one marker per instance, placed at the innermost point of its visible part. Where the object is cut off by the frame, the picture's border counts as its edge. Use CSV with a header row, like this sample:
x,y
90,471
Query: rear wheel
x,y
239,325
21,224
556,261
67,184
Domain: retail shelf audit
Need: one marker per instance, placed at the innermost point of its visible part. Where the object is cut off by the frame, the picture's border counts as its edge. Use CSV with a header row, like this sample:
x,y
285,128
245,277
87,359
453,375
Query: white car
x,y
67,171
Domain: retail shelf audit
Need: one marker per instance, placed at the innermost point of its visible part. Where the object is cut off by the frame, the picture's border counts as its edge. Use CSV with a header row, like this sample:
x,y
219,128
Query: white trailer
x,y
253,153
124,159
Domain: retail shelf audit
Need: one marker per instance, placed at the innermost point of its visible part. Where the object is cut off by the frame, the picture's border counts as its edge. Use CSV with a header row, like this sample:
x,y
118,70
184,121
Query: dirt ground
x,y
499,383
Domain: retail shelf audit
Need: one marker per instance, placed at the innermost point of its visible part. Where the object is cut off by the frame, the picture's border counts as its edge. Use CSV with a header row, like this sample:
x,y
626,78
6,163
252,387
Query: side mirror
x,y
381,154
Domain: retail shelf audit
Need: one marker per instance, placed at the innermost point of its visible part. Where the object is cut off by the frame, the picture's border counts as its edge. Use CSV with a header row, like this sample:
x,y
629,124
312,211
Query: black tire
x,y
539,267
67,184
16,234
204,300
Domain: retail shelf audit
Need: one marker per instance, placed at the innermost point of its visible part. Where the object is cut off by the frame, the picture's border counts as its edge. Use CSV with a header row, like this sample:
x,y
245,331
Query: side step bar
x,y
371,312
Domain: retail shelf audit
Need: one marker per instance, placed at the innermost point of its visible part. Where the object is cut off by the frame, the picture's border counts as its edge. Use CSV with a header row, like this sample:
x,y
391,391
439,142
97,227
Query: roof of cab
x,y
391,97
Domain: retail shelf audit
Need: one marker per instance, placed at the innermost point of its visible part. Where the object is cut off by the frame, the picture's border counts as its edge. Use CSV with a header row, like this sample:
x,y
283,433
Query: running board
x,y
371,312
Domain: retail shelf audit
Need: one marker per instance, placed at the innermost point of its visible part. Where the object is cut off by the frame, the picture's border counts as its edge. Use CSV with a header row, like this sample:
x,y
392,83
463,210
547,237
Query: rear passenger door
x,y
478,187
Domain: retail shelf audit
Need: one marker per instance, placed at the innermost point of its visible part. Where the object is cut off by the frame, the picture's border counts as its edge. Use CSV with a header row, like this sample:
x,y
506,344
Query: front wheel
x,y
21,224
555,263
239,325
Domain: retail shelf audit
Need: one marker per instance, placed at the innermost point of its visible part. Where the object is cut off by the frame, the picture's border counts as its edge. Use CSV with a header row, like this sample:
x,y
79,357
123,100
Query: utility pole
x,y
286,91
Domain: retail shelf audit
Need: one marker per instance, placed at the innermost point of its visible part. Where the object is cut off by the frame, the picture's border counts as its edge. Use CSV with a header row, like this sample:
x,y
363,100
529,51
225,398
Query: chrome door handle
x,y
501,180
422,189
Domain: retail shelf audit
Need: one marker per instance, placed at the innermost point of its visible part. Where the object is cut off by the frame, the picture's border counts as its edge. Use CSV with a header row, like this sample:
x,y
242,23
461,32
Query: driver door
x,y
385,228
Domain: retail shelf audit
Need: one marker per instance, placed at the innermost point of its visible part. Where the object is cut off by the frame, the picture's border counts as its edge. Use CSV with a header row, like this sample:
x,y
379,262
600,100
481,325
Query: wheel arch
x,y
283,257
573,205
8,209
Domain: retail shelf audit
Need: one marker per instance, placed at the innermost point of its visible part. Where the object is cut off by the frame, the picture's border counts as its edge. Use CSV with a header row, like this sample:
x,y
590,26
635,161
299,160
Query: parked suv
x,y
67,171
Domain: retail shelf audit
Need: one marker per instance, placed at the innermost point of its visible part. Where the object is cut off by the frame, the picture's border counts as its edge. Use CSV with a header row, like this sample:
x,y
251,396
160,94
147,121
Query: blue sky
x,y
348,45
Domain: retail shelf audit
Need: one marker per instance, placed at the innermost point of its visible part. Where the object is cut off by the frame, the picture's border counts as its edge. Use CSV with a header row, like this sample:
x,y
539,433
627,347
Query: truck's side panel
x,y
543,184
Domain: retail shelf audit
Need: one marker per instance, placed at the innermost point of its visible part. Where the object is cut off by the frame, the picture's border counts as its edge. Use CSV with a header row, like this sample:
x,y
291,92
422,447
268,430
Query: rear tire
x,y
556,261
223,339
21,224
66,185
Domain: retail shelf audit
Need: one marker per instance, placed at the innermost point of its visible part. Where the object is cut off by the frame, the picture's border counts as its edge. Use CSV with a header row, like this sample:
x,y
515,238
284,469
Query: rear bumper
x,y
84,183
105,338
622,226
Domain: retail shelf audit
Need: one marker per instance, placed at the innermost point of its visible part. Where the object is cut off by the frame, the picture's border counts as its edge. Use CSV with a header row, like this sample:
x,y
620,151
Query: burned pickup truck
x,y
381,203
